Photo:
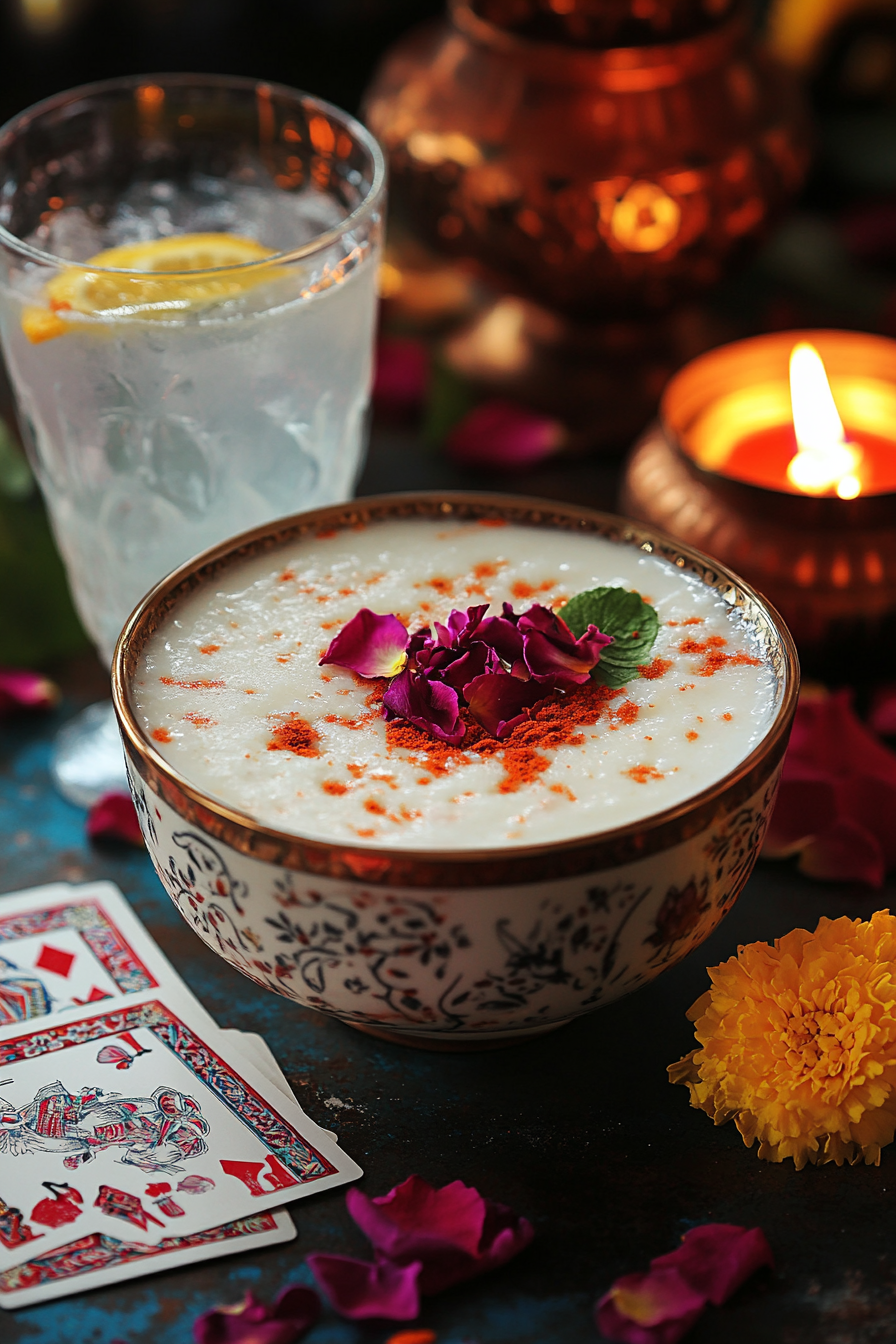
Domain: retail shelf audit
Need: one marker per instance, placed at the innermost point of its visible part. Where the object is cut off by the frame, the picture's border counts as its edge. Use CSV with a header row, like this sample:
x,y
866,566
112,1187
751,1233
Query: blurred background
x,y
557,418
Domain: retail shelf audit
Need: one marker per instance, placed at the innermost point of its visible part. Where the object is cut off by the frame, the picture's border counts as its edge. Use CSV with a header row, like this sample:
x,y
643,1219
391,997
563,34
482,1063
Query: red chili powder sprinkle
x,y
250,692
371,805
691,735
295,734
443,586
323,597
426,606
422,780
492,522
554,723
715,661
200,720
365,832
627,712
287,576
192,685
355,769
346,592
561,788
701,646
283,657
334,787
486,569
692,620
472,590
210,648
653,671
726,717
161,735
326,532
688,686
641,773
521,589
329,625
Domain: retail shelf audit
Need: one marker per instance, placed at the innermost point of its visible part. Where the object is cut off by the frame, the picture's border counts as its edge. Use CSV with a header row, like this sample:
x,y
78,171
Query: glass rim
x,y
122,83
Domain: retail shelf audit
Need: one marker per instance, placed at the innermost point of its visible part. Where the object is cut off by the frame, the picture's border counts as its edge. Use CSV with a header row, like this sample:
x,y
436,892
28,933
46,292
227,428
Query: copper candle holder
x,y
828,564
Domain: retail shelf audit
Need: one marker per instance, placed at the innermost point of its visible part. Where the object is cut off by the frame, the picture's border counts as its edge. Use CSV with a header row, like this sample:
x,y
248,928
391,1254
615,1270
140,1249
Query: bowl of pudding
x,y
455,885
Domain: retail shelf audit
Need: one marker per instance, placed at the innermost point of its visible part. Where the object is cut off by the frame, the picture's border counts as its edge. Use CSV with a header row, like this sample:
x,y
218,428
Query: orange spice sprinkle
x,y
326,532
198,685
210,648
701,646
653,671
355,769
329,625
422,780
726,717
473,590
426,606
641,773
441,585
283,657
492,522
521,589
346,592
365,832
287,576
693,620
561,788
413,1337
487,570
250,692
372,805
691,735
161,735
200,720
295,734
323,597
688,686
716,661
333,786
627,712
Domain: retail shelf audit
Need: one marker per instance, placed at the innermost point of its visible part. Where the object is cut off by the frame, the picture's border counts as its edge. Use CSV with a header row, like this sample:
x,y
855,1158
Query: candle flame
x,y
824,460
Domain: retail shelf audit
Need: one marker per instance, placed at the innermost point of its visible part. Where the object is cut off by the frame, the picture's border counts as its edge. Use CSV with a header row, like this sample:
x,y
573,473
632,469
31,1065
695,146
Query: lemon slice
x,y
158,294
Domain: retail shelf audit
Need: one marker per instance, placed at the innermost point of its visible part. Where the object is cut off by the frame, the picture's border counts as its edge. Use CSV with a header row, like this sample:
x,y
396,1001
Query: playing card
x,y
97,1260
136,1120
256,1049
62,947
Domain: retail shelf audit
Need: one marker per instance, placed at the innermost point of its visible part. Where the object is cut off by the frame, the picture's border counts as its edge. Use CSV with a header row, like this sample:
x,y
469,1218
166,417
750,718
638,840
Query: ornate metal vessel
x,y
596,180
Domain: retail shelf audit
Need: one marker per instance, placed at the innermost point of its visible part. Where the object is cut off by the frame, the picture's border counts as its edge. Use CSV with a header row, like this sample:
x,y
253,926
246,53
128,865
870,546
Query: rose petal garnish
x,y
294,1310
21,689
427,704
837,796
499,701
360,1290
452,1232
501,633
659,1307
114,817
501,436
552,652
371,645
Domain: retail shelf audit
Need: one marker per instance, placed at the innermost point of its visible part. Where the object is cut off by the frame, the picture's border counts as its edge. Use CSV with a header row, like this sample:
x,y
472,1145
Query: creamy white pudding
x,y
230,692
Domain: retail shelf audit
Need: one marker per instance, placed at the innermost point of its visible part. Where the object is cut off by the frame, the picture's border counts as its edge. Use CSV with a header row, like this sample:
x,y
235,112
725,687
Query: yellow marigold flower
x,y
798,1043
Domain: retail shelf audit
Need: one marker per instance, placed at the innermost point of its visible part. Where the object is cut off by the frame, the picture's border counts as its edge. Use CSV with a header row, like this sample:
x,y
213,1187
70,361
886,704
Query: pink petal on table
x,y
294,1311
716,1258
371,645
847,852
499,701
882,715
501,436
401,380
658,1307
805,805
453,1232
427,704
360,1290
21,689
114,817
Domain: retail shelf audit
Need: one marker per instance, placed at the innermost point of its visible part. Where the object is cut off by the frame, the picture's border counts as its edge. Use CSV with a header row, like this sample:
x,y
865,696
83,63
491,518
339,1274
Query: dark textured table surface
x,y
580,1131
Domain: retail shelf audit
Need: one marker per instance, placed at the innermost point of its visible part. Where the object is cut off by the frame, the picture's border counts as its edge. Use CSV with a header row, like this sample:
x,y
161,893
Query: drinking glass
x,y
187,306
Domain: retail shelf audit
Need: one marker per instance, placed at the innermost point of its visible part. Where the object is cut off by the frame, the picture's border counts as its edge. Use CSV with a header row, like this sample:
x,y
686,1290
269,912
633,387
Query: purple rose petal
x,y
502,436
371,645
360,1290
553,654
499,701
452,1232
429,705
114,817
251,1321
716,1258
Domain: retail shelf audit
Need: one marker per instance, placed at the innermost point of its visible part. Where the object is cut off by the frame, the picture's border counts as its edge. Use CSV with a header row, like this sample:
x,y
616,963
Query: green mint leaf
x,y
625,615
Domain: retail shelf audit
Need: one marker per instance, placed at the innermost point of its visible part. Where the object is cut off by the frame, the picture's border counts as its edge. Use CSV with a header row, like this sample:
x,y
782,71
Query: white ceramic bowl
x,y
454,950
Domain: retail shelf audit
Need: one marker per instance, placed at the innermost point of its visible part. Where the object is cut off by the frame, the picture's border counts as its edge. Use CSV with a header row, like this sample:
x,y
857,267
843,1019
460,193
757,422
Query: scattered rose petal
x,y
401,380
21,689
452,1232
553,654
371,645
427,704
882,715
498,701
251,1321
654,1308
660,1307
837,796
360,1290
114,817
501,436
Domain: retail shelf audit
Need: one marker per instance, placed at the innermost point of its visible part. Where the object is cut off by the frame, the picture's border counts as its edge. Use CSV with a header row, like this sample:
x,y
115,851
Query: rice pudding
x,y
230,691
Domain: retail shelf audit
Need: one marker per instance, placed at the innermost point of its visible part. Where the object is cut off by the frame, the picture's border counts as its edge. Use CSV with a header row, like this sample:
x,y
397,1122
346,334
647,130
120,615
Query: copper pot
x,y
597,181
